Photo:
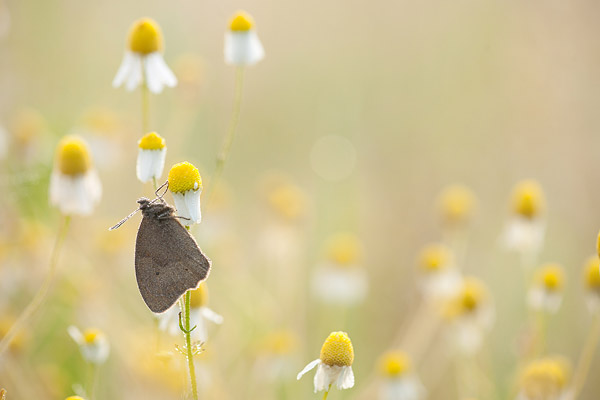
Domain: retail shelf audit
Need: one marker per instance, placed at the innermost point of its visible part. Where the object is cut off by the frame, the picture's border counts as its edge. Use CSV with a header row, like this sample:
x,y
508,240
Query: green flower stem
x,y
587,355
145,108
39,297
326,393
233,124
188,343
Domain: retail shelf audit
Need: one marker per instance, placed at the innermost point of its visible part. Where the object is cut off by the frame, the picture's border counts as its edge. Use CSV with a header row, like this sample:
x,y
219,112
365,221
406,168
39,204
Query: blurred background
x,y
356,120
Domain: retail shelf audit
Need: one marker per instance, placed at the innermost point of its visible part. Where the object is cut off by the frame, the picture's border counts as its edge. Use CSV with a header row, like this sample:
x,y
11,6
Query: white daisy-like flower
x,y
92,343
185,184
143,62
545,379
275,360
525,230
151,157
546,293
472,314
74,184
334,366
242,46
340,279
440,279
400,383
200,315
591,281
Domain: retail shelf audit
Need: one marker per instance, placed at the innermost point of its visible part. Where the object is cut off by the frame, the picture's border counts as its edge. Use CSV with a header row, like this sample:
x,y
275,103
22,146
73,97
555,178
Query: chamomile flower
x,y
143,62
545,379
275,358
74,184
151,157
440,277
472,314
546,291
93,344
200,315
400,383
74,398
334,366
456,205
591,281
185,184
341,279
242,46
524,231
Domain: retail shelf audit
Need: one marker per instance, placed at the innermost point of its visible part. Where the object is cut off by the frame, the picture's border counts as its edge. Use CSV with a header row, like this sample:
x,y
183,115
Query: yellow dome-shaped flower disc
x,y
183,177
337,350
73,156
145,36
241,22
152,141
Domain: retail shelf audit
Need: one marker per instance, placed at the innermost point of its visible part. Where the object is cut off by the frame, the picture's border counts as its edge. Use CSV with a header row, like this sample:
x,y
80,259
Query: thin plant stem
x,y
95,376
326,393
154,183
233,124
188,343
586,357
39,297
145,108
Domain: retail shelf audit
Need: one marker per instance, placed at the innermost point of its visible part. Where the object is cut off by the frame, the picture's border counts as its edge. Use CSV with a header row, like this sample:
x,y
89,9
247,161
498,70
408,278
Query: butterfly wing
x,y
168,262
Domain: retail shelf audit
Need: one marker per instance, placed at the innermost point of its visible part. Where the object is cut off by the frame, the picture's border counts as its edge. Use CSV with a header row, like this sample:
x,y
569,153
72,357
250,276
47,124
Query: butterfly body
x,y
168,261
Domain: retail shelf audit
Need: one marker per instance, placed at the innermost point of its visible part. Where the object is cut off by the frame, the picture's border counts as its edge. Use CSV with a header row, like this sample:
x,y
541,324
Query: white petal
x,y
346,378
75,194
152,73
345,286
150,164
134,77
167,76
124,69
200,332
192,199
326,375
97,352
211,315
243,48
75,334
308,367
181,206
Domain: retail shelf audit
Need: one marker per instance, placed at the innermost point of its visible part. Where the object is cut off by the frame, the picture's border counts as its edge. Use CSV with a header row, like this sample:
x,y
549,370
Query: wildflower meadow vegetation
x,y
299,200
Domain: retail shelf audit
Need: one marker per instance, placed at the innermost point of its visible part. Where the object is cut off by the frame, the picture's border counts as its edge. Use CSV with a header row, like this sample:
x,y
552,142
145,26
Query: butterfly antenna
x,y
121,222
160,196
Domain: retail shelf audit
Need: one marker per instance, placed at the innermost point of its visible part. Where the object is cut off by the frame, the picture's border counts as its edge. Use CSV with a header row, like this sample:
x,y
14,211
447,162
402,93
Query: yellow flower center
x,y
74,398
528,199
145,36
183,177
344,249
592,273
545,378
241,22
337,350
394,364
457,203
471,294
91,335
435,257
551,277
199,297
152,141
73,156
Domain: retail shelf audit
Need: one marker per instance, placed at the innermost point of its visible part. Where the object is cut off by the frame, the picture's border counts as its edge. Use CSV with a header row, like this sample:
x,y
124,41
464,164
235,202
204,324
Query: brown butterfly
x,y
168,261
